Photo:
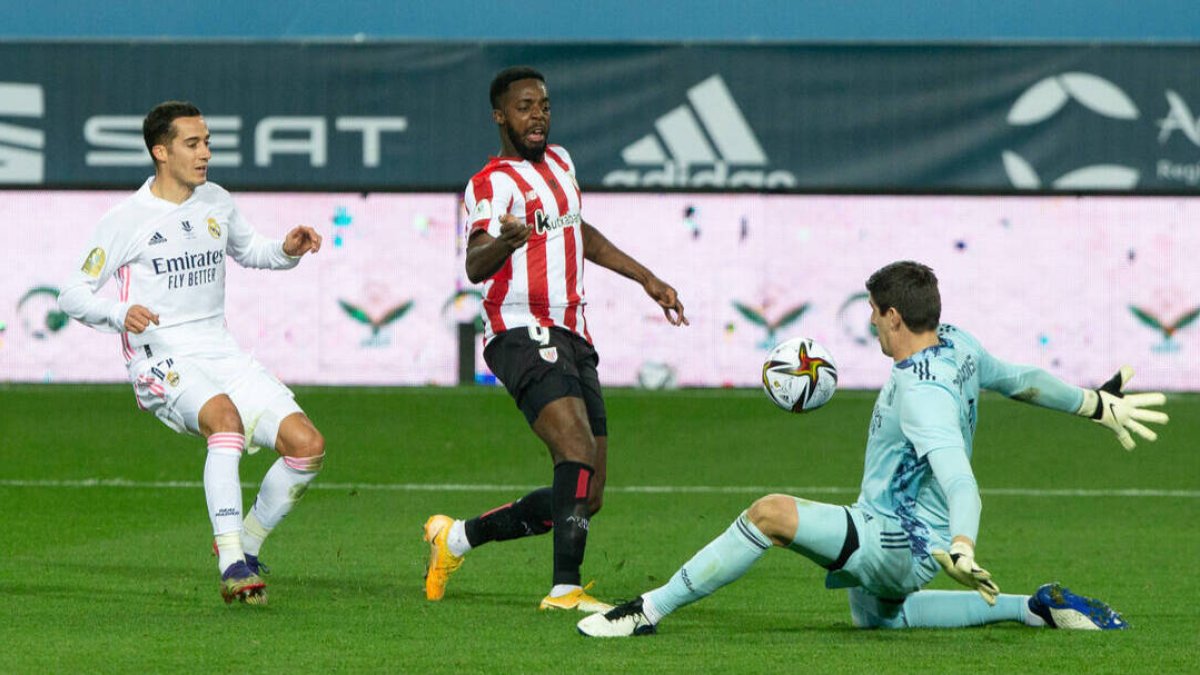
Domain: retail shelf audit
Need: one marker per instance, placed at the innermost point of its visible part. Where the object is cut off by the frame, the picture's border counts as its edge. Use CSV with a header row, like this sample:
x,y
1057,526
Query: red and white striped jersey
x,y
541,283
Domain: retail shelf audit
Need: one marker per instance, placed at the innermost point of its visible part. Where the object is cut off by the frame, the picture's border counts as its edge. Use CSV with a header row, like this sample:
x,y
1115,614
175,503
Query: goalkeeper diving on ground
x,y
918,511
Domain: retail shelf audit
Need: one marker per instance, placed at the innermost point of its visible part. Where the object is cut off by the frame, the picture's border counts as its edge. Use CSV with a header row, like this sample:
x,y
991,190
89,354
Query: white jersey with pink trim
x,y
169,258
541,283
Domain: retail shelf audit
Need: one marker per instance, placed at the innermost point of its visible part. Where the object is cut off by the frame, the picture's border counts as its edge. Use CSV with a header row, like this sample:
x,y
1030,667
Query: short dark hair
x,y
912,289
508,76
158,127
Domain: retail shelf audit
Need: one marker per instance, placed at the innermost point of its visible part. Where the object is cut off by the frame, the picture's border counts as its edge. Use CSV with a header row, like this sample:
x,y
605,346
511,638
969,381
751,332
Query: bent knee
x,y
308,443
595,503
299,438
775,516
306,452
770,508
577,446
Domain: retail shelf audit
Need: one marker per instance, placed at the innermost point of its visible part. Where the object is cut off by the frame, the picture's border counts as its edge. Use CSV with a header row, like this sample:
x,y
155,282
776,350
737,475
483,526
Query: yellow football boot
x,y
442,563
576,599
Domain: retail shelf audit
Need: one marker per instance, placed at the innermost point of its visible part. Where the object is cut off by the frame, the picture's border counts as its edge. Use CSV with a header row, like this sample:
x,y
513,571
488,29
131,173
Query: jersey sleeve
x,y
106,252
1023,383
485,200
1028,383
929,418
250,249
953,473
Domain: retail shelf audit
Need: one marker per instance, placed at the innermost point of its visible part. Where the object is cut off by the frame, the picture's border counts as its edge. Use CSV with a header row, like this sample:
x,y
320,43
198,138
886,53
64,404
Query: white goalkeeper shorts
x,y
176,388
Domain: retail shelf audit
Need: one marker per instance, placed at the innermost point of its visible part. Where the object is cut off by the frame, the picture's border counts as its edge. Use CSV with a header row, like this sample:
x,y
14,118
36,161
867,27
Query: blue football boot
x,y
1060,608
257,566
239,583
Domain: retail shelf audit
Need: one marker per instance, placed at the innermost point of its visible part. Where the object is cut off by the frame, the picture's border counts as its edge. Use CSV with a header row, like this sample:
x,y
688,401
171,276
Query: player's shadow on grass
x,y
848,631
504,600
96,593
140,571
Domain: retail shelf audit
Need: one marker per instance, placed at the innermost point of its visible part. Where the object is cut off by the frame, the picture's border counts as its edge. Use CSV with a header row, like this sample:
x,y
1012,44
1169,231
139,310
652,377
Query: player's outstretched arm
x,y
1121,413
598,249
253,250
486,254
1108,405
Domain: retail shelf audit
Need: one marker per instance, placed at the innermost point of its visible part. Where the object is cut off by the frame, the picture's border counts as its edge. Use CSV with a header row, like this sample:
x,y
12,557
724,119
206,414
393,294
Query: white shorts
x,y
176,388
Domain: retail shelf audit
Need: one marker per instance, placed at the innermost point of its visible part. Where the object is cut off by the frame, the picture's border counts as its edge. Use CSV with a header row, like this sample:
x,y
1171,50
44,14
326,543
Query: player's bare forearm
x,y
603,252
485,256
598,249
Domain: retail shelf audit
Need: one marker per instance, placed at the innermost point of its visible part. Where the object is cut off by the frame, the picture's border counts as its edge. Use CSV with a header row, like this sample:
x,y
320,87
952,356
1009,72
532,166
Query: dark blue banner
x,y
383,116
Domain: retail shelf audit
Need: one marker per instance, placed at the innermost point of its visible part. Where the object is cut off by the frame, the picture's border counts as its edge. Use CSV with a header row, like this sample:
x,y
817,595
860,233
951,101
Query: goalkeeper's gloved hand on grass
x,y
960,564
1121,412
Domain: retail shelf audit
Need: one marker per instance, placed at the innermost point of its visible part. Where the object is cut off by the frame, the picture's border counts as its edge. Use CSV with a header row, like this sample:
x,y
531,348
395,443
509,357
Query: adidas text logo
x,y
708,144
157,239
21,159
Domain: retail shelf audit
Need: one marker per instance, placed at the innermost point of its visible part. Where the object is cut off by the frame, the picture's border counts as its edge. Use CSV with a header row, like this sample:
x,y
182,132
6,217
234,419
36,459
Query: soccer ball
x,y
799,375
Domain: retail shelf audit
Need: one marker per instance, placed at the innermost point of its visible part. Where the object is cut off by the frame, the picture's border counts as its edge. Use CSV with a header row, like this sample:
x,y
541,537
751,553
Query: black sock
x,y
528,516
572,482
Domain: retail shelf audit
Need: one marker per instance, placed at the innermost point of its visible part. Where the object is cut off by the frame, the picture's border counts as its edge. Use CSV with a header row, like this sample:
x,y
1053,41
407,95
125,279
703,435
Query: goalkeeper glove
x,y
1120,412
959,563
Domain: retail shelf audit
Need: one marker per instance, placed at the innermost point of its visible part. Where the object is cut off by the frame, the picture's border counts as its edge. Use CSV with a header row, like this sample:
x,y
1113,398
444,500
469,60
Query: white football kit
x,y
170,258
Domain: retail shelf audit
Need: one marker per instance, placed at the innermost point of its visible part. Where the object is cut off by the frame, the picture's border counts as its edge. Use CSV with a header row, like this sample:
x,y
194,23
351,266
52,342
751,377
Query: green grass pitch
x,y
118,577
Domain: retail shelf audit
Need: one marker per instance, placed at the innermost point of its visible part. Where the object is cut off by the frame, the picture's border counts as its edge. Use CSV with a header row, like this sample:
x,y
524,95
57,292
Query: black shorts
x,y
542,365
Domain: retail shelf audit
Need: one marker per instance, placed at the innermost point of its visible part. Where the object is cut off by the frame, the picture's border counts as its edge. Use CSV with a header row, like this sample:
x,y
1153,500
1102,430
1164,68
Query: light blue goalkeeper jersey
x,y
931,403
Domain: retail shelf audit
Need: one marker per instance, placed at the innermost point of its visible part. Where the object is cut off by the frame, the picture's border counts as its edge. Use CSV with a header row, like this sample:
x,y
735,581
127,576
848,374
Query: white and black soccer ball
x,y
799,375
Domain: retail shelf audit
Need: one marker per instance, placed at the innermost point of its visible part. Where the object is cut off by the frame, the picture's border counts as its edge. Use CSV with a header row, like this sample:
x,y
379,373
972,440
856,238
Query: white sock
x,y
1028,617
223,491
253,534
229,550
560,590
651,612
283,486
456,540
